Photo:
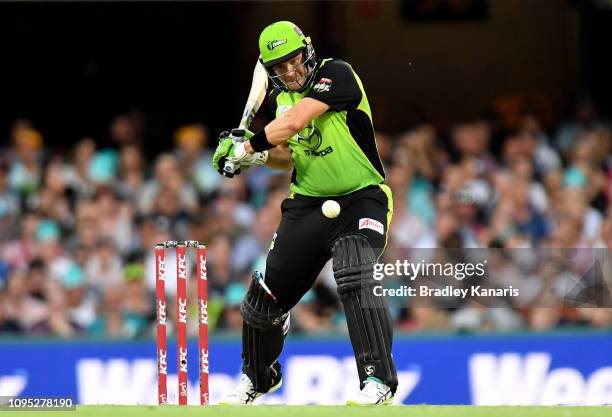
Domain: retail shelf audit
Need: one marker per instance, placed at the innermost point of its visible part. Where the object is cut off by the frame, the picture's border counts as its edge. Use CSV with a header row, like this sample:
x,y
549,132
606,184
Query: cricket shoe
x,y
374,392
245,392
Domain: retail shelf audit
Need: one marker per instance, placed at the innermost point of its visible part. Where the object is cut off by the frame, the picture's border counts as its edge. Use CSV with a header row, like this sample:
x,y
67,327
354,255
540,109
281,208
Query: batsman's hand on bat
x,y
225,150
231,157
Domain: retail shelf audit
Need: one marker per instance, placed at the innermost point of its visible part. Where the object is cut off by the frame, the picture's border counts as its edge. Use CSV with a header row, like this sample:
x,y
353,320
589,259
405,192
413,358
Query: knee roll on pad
x,y
353,263
258,310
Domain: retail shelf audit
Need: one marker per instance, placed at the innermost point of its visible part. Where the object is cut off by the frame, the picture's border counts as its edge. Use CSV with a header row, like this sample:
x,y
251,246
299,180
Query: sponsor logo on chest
x,y
322,152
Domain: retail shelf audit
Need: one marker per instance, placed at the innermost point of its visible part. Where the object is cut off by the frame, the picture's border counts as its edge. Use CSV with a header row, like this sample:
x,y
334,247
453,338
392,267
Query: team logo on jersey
x,y
370,369
310,137
367,223
324,84
273,44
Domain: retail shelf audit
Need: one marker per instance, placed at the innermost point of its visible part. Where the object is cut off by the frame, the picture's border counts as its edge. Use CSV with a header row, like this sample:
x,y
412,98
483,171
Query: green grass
x,y
322,411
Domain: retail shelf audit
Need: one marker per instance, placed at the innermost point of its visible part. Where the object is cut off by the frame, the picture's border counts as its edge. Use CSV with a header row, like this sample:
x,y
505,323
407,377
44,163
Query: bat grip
x,y
238,134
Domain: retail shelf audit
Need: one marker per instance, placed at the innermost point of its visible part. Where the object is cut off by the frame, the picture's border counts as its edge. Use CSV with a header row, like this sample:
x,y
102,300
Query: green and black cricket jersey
x,y
336,153
334,156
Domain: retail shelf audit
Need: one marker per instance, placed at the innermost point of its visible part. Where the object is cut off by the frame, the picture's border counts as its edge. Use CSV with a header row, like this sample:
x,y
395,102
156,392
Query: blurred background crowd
x,y
78,225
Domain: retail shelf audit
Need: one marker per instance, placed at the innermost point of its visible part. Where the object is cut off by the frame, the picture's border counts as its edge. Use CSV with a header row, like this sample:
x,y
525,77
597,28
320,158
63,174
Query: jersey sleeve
x,y
335,85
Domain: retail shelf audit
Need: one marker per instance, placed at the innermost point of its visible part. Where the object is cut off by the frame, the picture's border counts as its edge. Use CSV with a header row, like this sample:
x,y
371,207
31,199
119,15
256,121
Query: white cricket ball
x,y
330,209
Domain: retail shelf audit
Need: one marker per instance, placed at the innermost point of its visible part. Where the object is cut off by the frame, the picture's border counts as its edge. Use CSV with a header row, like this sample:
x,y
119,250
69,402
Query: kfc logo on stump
x,y
163,365
182,267
204,361
183,360
203,273
161,269
203,312
182,310
161,312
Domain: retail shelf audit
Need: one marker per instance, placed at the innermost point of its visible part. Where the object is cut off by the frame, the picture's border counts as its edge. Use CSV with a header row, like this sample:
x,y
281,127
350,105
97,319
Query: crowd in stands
x,y
78,227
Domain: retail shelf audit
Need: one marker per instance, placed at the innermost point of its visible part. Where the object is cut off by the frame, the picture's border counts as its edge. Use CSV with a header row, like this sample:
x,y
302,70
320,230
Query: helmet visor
x,y
287,57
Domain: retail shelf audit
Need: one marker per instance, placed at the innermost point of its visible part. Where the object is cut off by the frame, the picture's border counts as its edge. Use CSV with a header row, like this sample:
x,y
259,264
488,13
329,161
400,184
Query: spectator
x,y
138,306
9,203
19,306
127,129
113,319
80,301
26,166
194,157
114,219
19,253
131,173
104,268
167,176
77,173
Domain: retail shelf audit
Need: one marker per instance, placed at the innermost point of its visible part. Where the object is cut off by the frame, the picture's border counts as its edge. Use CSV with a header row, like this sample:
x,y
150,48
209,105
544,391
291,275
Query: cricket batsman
x,y
323,130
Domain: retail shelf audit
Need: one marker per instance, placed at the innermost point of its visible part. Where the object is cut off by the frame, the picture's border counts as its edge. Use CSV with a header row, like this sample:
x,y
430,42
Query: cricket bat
x,y
257,94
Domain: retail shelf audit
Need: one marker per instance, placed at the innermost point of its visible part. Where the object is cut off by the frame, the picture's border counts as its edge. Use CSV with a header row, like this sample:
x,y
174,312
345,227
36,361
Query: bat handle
x,y
229,167
238,134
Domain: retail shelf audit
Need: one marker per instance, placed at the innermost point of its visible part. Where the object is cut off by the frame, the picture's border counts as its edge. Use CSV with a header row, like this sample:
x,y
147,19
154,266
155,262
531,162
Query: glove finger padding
x,y
222,153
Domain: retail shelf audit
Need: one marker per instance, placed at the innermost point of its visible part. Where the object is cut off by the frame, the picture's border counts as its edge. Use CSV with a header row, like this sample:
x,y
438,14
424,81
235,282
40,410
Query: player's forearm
x,y
279,158
285,126
279,130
